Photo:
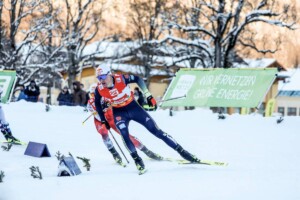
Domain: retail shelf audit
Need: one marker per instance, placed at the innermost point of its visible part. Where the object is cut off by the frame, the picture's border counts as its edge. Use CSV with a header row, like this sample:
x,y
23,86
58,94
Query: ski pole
x,y
118,145
161,101
87,118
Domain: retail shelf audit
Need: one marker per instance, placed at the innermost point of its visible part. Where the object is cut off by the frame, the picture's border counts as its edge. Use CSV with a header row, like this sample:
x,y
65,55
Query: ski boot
x,y
186,155
150,154
139,163
117,157
8,135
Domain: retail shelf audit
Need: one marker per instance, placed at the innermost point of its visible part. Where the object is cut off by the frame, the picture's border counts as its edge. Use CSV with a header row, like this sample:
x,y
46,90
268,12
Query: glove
x,y
105,105
107,126
151,101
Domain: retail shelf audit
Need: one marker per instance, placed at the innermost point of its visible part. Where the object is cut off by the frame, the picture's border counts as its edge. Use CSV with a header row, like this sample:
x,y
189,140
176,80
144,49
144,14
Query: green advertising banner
x,y
219,87
7,80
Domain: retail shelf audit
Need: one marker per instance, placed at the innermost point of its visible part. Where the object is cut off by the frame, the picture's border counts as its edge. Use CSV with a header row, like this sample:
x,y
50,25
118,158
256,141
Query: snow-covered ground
x,y
263,158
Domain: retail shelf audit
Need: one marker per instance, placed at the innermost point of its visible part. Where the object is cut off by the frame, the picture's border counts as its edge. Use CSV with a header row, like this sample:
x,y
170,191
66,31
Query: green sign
x,y
7,80
219,87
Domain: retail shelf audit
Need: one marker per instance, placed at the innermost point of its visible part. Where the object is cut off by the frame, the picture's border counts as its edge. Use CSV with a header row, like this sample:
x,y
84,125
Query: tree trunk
x,y
147,75
71,79
218,55
48,99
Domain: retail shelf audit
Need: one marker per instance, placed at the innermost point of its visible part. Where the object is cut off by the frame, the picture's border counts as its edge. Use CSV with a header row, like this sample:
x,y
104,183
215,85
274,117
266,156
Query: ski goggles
x,y
102,77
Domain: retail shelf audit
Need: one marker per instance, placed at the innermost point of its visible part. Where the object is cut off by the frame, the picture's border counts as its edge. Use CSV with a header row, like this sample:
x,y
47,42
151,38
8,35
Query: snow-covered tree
x,y
146,24
212,29
12,14
78,28
25,26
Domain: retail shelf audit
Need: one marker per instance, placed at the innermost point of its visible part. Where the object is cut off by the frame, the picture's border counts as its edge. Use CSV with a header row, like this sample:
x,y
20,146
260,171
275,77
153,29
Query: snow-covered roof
x,y
135,69
109,49
292,83
255,63
119,49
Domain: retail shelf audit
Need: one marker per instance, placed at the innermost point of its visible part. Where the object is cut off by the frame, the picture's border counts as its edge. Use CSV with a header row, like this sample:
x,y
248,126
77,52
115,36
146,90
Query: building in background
x,y
288,99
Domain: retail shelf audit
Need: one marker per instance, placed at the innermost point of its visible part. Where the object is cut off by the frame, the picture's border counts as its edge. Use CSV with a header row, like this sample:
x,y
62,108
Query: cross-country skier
x,y
114,87
101,128
4,126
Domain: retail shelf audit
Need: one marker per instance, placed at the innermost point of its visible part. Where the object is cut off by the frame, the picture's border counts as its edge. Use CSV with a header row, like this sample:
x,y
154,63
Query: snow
x,y
135,69
263,157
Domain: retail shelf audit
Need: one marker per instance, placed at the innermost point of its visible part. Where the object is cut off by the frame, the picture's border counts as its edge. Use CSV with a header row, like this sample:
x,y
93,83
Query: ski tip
x,y
215,163
204,162
14,143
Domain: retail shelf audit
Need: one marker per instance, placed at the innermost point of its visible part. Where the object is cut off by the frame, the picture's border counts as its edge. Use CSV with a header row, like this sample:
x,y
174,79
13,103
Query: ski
x,y
165,159
173,160
204,162
14,142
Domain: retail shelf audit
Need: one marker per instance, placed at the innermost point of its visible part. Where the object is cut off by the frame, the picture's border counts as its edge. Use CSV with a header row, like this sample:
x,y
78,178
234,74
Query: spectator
x,y
87,96
64,98
32,91
138,96
22,94
79,95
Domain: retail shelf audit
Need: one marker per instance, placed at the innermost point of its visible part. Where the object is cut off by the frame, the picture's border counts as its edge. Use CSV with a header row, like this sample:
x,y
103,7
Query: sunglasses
x,y
102,77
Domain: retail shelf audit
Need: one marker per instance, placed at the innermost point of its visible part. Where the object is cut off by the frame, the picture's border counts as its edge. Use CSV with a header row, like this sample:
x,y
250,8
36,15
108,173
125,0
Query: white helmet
x,y
102,70
93,88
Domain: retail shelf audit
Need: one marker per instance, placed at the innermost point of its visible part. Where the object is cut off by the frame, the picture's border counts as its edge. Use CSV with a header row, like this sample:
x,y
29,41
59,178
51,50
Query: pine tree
x,y
59,156
35,172
86,162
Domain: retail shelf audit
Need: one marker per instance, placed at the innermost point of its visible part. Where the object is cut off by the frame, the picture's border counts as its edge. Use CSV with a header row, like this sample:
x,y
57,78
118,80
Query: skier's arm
x,y
90,108
140,82
99,109
98,105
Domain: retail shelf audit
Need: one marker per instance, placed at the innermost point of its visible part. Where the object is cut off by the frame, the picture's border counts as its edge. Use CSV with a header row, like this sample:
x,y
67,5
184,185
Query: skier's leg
x,y
136,142
5,129
141,116
107,141
121,120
